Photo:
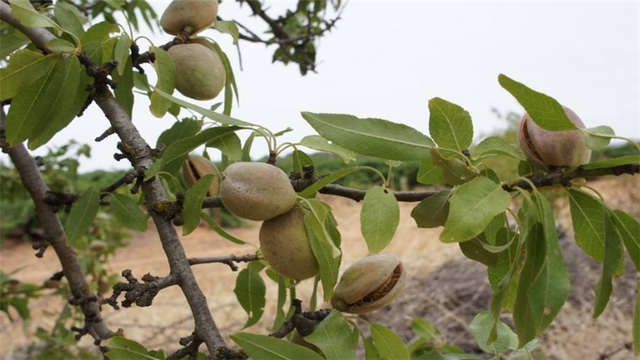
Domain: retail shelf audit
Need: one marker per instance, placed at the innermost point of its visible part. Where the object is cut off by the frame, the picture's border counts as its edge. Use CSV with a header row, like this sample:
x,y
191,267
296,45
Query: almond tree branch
x,y
55,235
141,159
229,260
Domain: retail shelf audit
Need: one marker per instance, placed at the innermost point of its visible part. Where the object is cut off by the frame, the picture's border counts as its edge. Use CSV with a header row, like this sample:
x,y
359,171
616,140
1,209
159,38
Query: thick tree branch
x,y
56,237
141,159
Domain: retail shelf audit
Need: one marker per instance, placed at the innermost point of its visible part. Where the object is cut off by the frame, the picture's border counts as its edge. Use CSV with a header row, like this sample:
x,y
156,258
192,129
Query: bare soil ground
x,y
434,270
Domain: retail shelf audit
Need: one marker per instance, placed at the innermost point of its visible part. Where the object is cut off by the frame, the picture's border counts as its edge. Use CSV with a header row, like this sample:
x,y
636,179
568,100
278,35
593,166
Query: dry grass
x,y
443,286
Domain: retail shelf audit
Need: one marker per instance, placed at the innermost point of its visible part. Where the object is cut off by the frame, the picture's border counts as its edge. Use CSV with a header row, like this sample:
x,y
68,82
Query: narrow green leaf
x,y
331,335
474,250
311,190
282,298
220,118
61,94
300,160
604,164
370,350
28,16
11,41
246,149
612,254
193,204
128,212
389,344
472,207
544,110
319,143
184,146
587,214
217,228
166,71
99,32
124,90
125,349
179,130
450,125
262,347
121,54
373,137
70,18
324,242
81,216
60,46
636,324
251,293
494,145
629,229
29,105
23,68
433,211
379,218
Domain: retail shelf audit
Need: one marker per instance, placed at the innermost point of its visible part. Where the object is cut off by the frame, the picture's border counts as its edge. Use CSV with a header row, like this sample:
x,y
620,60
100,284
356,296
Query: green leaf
x,y
371,353
121,54
319,143
124,90
551,285
472,207
311,190
251,293
497,146
282,298
70,18
246,149
60,46
379,218
125,349
331,336
629,229
166,71
128,212
373,137
28,16
11,41
433,211
454,171
450,125
262,347
81,216
230,87
429,173
184,146
220,118
389,344
324,241
425,329
474,250
99,32
217,228
228,27
604,164
612,254
62,117
636,324
544,110
300,160
598,137
179,130
229,144
587,214
23,68
193,204
29,106
481,328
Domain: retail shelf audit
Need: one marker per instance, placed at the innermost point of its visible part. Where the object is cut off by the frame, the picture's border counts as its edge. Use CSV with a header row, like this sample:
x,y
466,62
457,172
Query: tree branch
x,y
141,294
229,260
55,235
141,159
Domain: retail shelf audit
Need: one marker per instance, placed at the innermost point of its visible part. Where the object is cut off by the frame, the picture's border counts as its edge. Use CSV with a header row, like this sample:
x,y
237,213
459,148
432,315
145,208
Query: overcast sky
x,y
386,59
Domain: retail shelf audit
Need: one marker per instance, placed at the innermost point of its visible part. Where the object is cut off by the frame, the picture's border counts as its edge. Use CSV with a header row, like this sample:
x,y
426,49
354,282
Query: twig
x,y
141,294
229,260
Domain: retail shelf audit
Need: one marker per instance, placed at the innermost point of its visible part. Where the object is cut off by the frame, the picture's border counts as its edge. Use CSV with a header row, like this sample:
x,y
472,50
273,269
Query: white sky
x,y
386,59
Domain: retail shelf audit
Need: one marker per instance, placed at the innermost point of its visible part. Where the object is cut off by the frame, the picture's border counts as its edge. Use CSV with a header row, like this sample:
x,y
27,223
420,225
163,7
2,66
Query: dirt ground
x,y
160,325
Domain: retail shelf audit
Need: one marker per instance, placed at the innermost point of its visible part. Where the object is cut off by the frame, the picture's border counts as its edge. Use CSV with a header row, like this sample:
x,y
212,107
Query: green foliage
x,y
250,291
379,218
